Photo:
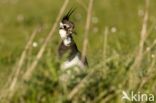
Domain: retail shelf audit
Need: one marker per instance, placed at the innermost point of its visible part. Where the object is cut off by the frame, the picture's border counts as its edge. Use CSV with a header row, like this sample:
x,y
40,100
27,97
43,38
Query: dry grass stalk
x,y
150,74
105,44
103,95
15,76
82,4
108,98
85,80
143,35
30,69
22,59
88,22
150,47
82,83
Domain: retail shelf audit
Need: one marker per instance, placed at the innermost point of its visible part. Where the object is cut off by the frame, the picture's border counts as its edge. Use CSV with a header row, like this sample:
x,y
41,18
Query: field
x,y
121,51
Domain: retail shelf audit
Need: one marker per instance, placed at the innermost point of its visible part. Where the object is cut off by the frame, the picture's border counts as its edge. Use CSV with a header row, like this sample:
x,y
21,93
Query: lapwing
x,y
68,45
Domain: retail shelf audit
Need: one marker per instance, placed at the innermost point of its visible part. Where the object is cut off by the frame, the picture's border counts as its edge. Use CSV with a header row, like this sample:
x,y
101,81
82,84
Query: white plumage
x,y
63,33
74,62
67,41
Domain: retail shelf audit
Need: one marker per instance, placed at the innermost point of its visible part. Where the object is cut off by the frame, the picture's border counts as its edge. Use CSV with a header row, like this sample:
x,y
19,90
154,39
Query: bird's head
x,y
66,26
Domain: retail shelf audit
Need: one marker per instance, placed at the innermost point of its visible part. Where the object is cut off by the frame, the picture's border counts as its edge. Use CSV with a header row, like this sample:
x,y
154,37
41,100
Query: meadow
x,y
121,51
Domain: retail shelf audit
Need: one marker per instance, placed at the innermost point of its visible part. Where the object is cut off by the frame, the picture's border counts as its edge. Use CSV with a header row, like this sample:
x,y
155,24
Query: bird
x,y
66,26
68,45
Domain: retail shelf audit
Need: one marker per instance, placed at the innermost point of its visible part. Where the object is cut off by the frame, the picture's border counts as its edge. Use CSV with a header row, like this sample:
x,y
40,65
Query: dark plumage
x,y
71,49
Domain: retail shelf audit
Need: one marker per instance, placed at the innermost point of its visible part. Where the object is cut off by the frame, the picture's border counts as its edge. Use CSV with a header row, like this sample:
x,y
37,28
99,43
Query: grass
x,y
110,55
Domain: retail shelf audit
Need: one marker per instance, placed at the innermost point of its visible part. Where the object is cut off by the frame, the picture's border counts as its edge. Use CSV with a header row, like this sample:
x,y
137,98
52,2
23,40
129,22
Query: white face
x,y
63,33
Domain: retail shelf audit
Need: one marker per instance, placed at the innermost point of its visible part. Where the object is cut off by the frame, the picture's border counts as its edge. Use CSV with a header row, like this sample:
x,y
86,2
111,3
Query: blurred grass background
x,y
123,20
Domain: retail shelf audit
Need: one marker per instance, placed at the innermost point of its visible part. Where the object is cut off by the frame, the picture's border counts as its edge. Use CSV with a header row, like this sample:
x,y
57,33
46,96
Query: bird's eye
x,y
65,26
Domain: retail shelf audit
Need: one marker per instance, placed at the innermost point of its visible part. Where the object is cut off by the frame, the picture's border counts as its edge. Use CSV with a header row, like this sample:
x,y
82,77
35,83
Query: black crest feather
x,y
67,16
